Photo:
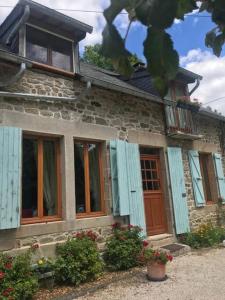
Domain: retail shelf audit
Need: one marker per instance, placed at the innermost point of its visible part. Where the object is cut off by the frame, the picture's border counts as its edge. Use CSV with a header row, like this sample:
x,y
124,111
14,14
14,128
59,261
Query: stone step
x,y
160,240
176,249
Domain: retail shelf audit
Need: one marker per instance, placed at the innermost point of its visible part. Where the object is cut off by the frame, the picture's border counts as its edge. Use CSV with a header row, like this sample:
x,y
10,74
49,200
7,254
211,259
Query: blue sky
x,y
188,37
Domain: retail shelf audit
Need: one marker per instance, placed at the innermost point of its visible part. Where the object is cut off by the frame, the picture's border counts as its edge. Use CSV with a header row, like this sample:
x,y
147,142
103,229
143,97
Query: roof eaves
x,y
52,12
211,114
119,88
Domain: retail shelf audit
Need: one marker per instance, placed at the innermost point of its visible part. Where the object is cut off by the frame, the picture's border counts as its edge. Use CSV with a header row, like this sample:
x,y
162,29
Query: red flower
x,y
130,226
7,291
170,257
8,266
145,243
2,275
116,225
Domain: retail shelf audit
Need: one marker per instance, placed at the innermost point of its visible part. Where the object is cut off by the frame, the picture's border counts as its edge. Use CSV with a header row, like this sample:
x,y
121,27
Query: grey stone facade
x,y
113,110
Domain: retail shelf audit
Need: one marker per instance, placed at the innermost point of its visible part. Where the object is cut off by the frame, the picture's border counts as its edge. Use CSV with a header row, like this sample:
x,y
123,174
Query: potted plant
x,y
44,271
156,261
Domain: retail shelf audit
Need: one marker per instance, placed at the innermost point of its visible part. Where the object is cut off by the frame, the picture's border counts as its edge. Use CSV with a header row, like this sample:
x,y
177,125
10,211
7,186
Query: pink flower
x,y
2,275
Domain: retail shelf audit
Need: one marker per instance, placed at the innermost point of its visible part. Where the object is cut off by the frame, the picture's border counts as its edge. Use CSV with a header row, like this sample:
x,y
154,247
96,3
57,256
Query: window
x,y
208,176
177,91
49,49
41,189
88,178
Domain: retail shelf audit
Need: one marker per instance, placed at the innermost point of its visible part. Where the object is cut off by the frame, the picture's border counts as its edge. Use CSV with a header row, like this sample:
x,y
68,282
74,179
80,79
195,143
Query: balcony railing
x,y
179,121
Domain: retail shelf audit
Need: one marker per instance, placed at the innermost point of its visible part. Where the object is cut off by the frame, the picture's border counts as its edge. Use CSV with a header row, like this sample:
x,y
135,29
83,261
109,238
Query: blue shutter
x,y
178,190
137,212
196,178
10,177
119,178
220,175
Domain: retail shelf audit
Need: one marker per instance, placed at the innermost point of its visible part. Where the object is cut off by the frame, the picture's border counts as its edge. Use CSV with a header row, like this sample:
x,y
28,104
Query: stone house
x,y
82,147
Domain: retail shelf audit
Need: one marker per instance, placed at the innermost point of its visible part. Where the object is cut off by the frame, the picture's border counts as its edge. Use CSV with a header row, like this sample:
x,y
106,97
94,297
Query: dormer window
x,y
46,48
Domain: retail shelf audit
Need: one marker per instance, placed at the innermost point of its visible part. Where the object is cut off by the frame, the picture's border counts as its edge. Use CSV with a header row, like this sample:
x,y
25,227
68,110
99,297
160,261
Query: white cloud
x,y
212,69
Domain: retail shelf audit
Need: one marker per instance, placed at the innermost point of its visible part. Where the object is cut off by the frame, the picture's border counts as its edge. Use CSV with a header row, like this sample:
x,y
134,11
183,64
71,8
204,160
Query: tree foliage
x,y
93,55
157,15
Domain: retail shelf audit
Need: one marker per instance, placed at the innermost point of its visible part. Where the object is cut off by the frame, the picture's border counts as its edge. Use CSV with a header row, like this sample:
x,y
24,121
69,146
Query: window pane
x,y
29,179
49,179
79,178
60,60
37,53
95,195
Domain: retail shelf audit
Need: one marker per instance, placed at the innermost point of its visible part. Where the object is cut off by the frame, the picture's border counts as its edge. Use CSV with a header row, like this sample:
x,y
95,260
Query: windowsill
x,y
40,220
90,215
52,69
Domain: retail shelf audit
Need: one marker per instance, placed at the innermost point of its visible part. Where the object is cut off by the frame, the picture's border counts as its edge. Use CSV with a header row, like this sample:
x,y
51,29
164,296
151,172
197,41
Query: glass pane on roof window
x,y
37,53
60,60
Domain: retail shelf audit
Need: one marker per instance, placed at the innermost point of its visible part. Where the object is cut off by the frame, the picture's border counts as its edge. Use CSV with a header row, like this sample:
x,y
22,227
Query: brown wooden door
x,y
153,195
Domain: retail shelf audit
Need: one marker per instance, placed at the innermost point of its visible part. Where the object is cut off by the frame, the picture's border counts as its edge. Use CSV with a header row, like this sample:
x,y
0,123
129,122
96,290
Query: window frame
x,y
49,65
173,85
41,218
88,213
211,177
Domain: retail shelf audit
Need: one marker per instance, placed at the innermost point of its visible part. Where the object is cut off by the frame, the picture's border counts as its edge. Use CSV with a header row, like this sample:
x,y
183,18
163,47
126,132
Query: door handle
x,y
184,195
133,191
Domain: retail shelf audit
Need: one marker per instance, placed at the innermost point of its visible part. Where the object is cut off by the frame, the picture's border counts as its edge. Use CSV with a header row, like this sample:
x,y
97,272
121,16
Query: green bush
x,y
206,235
78,260
124,247
17,281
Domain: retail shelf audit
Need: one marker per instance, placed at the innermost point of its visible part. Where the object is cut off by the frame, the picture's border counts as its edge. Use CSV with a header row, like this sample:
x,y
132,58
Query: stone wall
x,y
111,109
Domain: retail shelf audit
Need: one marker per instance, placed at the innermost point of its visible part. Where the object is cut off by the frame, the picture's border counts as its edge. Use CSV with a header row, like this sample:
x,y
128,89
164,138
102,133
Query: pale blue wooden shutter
x,y
178,190
196,178
10,177
220,175
119,178
137,211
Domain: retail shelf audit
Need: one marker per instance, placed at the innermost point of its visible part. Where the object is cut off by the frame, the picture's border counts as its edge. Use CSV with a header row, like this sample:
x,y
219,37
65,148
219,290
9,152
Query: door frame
x,y
165,182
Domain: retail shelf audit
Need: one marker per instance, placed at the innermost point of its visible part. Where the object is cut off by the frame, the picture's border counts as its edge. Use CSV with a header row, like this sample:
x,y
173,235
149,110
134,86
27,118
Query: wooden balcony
x,y
180,124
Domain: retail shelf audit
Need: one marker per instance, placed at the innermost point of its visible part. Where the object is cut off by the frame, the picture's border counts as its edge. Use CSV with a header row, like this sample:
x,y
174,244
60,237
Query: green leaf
x,y
114,9
113,48
162,59
162,85
215,41
157,13
184,7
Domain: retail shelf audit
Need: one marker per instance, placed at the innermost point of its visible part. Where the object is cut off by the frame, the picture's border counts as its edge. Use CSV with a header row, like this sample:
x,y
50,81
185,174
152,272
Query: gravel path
x,y
199,275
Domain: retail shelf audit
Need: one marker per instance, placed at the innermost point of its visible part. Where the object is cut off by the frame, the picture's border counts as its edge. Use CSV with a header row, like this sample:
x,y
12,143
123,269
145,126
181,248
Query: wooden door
x,y
153,195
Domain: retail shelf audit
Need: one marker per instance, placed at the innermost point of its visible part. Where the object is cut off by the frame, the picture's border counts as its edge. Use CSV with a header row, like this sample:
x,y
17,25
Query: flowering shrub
x,y
206,235
17,281
78,259
123,247
149,256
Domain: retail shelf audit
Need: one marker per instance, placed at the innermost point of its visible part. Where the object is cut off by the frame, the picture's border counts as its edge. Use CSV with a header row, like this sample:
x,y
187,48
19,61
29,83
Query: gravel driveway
x,y
198,275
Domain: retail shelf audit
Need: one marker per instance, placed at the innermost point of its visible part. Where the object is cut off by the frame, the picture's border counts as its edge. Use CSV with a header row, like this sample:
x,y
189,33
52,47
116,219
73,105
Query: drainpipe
x,y
195,87
22,21
14,78
44,97
35,96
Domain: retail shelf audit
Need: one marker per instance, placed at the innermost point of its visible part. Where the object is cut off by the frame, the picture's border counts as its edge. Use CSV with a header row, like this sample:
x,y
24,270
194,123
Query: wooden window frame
x,y
88,212
41,218
211,177
49,51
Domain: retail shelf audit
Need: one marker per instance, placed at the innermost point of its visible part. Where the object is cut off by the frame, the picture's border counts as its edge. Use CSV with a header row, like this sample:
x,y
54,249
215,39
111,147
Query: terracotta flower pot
x,y
156,271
